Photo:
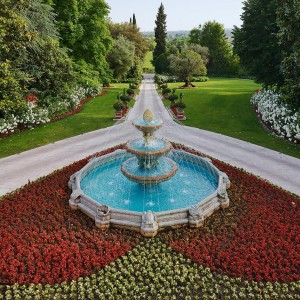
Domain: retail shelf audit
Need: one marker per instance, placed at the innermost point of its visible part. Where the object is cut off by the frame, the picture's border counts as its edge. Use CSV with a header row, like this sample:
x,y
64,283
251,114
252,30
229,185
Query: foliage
x,y
166,90
195,36
202,51
83,29
200,79
121,57
173,97
259,229
256,42
186,64
160,32
118,105
158,78
130,92
279,116
162,64
131,33
221,59
289,41
28,48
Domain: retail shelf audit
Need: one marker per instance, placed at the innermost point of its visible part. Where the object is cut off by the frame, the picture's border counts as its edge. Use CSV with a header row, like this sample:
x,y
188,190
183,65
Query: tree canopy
x,y
289,41
83,29
121,57
186,64
256,42
160,32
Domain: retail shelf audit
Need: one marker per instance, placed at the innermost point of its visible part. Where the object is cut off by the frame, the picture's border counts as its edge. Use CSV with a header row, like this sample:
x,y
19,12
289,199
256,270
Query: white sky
x,y
181,14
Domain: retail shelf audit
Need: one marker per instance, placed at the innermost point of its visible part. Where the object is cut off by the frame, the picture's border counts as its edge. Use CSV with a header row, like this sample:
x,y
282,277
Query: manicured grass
x,y
223,106
147,66
96,113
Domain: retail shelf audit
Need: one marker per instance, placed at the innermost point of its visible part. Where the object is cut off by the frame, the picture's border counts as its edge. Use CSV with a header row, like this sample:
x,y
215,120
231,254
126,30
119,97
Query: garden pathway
x,y
276,167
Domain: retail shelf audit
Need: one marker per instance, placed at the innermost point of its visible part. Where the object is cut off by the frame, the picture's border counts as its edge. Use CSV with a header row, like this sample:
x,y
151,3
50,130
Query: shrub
x,y
180,105
284,120
118,106
200,79
130,92
166,91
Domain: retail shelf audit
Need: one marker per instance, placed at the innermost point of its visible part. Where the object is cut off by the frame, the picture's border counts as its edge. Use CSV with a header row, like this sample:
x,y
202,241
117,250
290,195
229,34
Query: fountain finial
x,y
148,116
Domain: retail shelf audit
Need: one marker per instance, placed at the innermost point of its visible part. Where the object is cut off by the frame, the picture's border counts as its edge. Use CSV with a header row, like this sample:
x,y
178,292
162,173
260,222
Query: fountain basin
x,y
165,169
148,215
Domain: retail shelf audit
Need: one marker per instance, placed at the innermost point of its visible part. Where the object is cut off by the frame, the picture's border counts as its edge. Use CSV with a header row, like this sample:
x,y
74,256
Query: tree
x,y
83,28
186,64
131,33
288,20
221,56
30,56
121,57
195,36
256,42
133,20
202,51
160,32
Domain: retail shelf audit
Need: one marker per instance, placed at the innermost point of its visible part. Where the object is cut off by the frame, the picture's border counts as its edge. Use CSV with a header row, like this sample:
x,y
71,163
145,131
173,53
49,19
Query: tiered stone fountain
x,y
147,187
149,166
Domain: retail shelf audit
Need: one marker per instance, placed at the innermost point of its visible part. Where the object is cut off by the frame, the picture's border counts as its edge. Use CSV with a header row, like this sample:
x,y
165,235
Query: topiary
x,y
118,106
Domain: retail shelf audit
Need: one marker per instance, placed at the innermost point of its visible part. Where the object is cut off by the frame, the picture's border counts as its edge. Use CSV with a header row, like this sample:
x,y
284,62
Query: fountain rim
x,y
193,216
152,179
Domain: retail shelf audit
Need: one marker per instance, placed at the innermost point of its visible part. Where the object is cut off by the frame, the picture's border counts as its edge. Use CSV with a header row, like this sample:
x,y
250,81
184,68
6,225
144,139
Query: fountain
x,y
149,186
149,166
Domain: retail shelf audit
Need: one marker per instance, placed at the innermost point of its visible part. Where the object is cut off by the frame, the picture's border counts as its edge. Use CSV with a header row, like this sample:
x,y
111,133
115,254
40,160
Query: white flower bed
x,y
33,116
283,120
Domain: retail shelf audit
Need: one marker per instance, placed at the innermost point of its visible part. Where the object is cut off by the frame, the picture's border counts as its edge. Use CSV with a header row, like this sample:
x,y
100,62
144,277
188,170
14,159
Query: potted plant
x,y
172,98
180,106
165,93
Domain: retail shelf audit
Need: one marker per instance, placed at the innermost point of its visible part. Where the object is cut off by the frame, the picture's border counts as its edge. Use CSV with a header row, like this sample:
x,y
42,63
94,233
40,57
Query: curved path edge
x,y
278,168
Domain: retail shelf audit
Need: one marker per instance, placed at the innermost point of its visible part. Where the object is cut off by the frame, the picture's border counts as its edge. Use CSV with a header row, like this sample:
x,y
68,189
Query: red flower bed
x,y
43,241
256,238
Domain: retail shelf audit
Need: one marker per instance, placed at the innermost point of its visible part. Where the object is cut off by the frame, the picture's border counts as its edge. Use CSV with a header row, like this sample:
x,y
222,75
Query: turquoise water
x,y
155,145
190,185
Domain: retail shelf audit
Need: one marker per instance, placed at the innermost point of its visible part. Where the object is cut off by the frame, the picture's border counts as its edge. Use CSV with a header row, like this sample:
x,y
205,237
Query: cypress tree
x,y
133,20
160,32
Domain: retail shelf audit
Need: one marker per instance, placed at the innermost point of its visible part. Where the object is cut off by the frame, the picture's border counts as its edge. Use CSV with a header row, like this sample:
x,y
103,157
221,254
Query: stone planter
x,y
118,115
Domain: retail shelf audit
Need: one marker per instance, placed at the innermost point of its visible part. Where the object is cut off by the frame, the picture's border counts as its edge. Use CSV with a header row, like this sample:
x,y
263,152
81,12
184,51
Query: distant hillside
x,y
180,33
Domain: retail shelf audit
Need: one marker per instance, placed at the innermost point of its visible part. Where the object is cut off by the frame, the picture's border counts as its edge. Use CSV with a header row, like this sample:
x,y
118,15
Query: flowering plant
x,y
283,120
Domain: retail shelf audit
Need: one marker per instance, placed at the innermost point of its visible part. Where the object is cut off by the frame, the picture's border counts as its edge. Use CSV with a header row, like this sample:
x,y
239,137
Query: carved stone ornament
x,y
222,193
103,210
194,211
76,196
148,217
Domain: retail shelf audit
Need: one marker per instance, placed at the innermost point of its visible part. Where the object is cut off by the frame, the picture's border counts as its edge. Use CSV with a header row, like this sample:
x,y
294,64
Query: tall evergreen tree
x,y
133,20
256,42
221,59
289,42
160,32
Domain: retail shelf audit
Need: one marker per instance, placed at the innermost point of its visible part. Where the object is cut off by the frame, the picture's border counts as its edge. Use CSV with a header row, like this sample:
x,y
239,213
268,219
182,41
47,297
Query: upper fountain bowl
x,y
148,124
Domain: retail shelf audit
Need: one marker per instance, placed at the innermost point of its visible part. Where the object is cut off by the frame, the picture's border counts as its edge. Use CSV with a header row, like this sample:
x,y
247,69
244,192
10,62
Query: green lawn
x,y
147,66
219,105
96,113
223,106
